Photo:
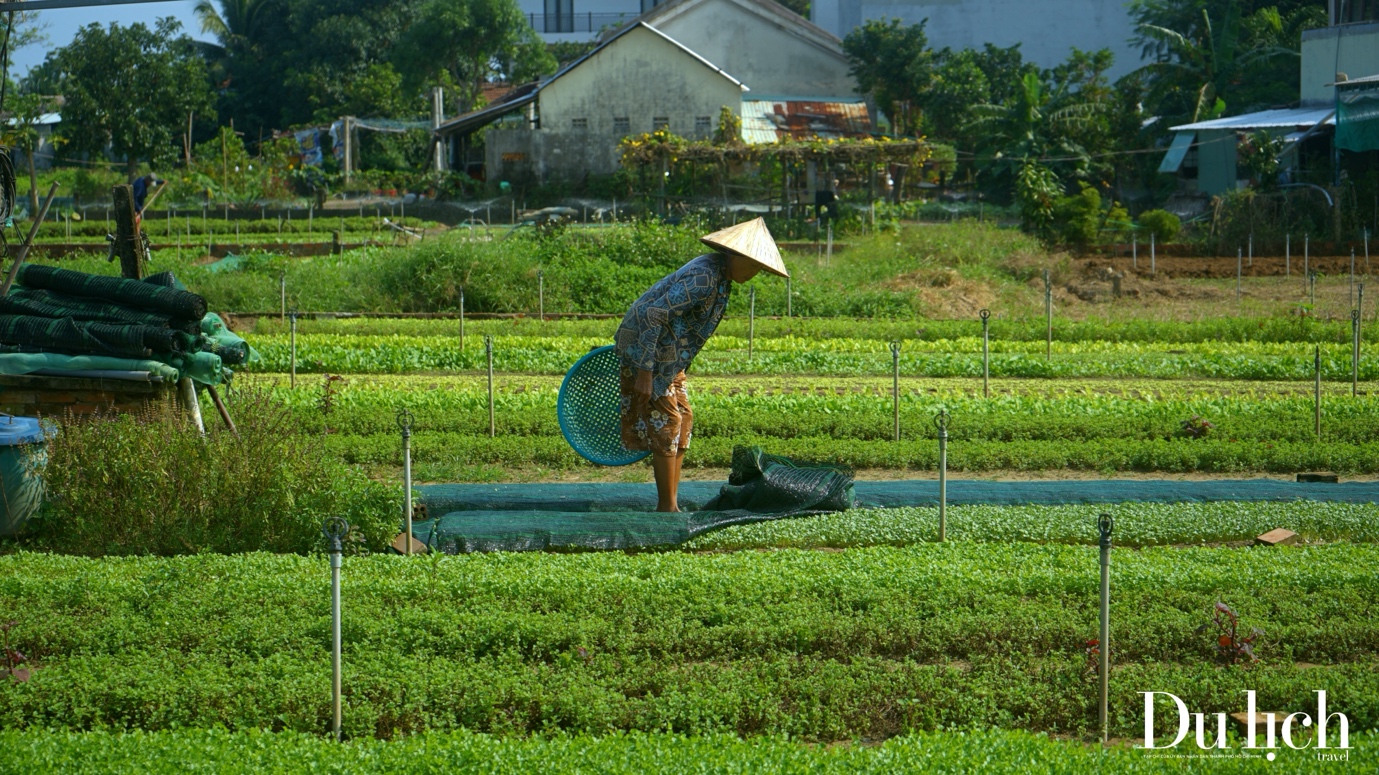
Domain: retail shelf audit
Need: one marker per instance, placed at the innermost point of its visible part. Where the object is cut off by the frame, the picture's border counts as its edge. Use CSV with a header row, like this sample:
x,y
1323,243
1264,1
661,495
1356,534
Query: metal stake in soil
x,y
1306,253
404,421
986,353
1312,289
282,293
1135,252
751,320
462,317
1252,249
335,530
1237,274
941,422
488,351
1048,316
292,316
541,294
895,385
1104,525
1354,353
1317,392
1152,270
1352,277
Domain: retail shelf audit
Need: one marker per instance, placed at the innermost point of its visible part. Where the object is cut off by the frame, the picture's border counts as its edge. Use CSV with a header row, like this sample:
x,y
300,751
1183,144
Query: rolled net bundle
x,y
133,293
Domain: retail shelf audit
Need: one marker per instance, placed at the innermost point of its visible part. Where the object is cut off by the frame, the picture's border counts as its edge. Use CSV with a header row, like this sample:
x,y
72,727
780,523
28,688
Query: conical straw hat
x,y
752,241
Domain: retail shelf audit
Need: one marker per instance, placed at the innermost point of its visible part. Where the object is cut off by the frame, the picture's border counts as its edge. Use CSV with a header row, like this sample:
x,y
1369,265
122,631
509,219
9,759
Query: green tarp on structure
x,y
1357,117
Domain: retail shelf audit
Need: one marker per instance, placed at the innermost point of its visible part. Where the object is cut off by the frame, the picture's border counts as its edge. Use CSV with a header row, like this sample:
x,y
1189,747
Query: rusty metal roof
x,y
766,121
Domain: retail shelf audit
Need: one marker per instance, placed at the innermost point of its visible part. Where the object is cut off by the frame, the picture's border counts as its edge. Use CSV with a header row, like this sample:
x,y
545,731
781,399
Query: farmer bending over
x,y
663,332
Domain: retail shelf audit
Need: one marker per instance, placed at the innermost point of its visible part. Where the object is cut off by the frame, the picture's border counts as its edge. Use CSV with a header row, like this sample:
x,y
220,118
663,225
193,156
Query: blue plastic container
x,y
22,454
588,409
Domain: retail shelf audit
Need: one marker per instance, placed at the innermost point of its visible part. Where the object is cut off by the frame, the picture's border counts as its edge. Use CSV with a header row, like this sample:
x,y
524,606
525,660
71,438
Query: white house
x,y
637,80
778,53
1046,30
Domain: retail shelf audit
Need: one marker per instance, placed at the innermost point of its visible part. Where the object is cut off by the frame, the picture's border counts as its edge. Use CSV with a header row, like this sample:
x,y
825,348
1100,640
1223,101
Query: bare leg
x,y
667,470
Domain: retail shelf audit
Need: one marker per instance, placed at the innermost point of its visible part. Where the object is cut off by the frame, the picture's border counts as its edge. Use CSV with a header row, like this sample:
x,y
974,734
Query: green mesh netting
x,y
48,304
232,349
89,337
1357,118
762,487
133,293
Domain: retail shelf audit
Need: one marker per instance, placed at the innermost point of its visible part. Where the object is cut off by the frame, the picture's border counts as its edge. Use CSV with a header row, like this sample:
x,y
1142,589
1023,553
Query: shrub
x,y
1078,217
151,484
1162,224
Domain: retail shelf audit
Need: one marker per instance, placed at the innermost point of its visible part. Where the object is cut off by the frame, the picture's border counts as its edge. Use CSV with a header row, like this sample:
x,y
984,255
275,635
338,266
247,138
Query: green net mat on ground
x,y
762,487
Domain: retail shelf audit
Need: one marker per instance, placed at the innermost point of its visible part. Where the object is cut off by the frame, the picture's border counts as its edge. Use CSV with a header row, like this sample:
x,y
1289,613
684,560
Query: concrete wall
x,y
639,76
758,49
1359,57
1045,29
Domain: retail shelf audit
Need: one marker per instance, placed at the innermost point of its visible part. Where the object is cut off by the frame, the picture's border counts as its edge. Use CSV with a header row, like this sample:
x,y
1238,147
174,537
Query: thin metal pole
x,y
1237,275
986,353
789,297
1252,250
334,530
461,317
751,320
1104,525
1152,270
541,294
282,293
1306,250
1317,392
1048,316
1352,277
1135,252
293,318
488,350
1312,289
404,421
1354,353
1288,255
895,385
942,422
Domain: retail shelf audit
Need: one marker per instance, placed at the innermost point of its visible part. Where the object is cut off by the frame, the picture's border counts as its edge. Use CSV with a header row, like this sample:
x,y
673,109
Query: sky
x,y
62,26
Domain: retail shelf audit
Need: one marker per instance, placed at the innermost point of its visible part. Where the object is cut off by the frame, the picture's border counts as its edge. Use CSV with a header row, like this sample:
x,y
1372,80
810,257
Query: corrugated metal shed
x,y
1264,119
766,121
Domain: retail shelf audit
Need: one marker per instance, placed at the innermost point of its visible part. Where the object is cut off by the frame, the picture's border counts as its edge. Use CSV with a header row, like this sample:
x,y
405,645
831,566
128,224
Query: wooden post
x,y
128,246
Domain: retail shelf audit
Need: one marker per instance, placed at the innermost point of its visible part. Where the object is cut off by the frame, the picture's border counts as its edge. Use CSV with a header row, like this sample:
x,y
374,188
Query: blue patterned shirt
x,y
669,324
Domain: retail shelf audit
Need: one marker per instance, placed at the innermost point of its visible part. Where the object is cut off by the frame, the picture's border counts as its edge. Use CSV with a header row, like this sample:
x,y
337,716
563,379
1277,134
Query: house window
x,y
579,123
660,122
622,126
560,16
702,125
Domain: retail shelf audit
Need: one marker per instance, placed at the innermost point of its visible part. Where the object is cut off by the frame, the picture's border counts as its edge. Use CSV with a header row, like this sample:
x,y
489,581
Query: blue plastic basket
x,y
588,409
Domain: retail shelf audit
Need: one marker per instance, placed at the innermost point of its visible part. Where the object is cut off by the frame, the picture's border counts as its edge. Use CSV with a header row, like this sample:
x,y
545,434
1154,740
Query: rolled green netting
x,y
232,349
49,304
134,293
27,363
762,487
84,337
203,367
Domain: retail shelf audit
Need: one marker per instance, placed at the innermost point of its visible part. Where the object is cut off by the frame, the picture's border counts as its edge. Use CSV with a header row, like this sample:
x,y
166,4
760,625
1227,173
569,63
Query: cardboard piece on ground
x,y
1319,476
1277,537
400,546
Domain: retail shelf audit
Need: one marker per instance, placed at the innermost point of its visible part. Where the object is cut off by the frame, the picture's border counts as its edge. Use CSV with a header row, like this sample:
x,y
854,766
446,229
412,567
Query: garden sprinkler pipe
x,y
1152,270
941,422
1104,525
488,351
462,317
986,353
1317,392
292,322
404,422
895,385
1135,252
1048,316
335,530
751,320
282,294
1354,353
541,295
1252,249
1352,276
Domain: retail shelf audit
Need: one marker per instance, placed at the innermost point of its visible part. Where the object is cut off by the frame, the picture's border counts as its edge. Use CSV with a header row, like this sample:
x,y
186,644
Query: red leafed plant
x,y
1093,651
1231,646
1196,427
13,658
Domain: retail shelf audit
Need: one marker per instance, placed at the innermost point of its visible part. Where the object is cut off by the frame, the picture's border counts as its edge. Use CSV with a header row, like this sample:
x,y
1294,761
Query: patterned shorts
x,y
664,426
